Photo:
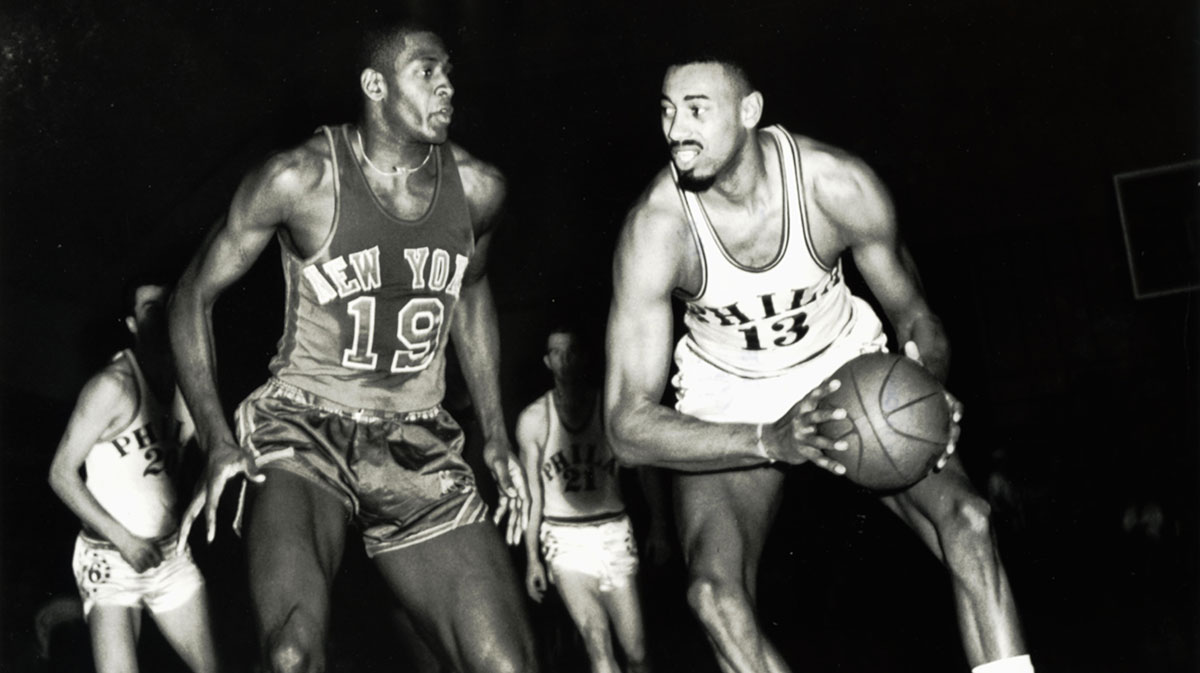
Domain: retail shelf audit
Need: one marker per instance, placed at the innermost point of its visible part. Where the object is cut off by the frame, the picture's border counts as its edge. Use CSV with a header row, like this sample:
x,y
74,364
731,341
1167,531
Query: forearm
x,y
195,359
533,533
927,332
649,434
477,343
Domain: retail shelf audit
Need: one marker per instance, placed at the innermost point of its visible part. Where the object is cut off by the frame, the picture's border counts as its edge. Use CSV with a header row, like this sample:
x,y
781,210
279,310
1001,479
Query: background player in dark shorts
x,y
385,228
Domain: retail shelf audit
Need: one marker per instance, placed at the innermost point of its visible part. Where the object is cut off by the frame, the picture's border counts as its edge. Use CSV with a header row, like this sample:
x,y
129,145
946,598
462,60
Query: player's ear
x,y
373,84
546,361
751,109
131,324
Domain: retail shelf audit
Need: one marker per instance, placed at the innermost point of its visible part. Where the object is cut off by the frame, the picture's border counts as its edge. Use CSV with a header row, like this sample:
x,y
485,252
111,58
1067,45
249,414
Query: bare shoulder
x,y
656,223
297,172
110,392
844,187
532,421
482,182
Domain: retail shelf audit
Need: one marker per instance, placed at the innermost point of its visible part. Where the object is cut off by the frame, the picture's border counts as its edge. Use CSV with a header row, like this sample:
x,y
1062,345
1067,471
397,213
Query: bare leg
x,y
115,630
724,518
624,608
954,522
189,630
294,544
581,594
460,586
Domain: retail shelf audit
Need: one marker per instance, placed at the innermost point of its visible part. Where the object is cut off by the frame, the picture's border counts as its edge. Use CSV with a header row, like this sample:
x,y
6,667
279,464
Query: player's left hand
x,y
514,492
956,407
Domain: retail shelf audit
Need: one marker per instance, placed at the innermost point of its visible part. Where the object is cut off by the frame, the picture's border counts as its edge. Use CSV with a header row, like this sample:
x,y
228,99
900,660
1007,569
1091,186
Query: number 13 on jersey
x,y
418,329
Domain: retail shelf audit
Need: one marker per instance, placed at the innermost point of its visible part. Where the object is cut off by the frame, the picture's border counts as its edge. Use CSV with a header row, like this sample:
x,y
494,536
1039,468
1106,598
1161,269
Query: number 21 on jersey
x,y
418,329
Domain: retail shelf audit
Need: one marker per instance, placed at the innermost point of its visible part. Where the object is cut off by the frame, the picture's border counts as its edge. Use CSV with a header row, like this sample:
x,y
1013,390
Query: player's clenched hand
x,y
140,553
535,580
514,492
224,463
794,438
956,407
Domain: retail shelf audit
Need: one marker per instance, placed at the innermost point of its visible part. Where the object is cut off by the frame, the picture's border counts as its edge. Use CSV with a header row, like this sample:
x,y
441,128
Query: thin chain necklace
x,y
399,171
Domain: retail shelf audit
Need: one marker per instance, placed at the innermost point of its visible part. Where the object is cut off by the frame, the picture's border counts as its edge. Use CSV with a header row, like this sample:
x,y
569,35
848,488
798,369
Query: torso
x,y
371,292
763,289
578,470
129,473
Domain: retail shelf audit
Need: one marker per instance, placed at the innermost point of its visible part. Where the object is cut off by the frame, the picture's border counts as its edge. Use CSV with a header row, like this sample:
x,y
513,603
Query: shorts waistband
x,y
164,543
591,520
277,388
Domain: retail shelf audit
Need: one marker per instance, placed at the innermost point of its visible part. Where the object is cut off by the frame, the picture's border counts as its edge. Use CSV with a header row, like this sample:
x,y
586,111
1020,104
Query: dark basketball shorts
x,y
400,475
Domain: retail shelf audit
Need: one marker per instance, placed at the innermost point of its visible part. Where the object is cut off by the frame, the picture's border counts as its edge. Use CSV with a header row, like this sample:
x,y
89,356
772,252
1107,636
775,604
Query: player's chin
x,y
695,180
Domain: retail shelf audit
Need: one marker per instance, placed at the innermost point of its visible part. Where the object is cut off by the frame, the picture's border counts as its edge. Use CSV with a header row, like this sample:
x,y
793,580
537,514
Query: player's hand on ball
x,y
796,439
956,407
514,492
225,462
535,581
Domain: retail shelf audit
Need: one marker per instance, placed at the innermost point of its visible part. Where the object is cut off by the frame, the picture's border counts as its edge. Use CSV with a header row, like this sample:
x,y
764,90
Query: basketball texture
x,y
897,421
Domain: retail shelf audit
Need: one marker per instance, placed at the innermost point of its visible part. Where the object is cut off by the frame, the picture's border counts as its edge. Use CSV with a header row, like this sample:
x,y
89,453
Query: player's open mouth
x,y
443,115
685,155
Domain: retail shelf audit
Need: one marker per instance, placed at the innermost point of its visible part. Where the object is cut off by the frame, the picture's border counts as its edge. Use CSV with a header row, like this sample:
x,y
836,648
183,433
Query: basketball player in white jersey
x,y
127,431
747,227
385,227
577,517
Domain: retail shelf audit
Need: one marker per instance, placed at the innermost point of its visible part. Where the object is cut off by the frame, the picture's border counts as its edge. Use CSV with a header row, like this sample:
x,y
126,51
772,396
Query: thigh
x,y
114,630
461,587
581,594
294,538
724,519
188,629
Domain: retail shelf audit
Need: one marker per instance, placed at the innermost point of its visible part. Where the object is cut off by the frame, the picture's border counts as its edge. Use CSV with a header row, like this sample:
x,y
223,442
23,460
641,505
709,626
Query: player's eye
x,y
668,112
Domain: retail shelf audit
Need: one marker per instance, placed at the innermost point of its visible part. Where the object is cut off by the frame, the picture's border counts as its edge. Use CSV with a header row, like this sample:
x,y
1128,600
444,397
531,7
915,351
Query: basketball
x,y
897,421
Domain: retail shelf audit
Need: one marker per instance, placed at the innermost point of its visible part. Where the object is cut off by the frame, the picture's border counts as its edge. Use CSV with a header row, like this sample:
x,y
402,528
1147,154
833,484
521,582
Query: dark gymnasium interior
x,y
1000,129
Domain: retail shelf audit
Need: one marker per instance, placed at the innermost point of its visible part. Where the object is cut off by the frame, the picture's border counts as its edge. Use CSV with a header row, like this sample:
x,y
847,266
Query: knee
x,y
595,635
966,531
292,648
513,657
717,601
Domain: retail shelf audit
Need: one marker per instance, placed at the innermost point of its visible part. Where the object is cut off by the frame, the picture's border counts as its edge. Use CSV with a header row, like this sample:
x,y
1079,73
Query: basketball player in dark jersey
x,y
747,227
385,227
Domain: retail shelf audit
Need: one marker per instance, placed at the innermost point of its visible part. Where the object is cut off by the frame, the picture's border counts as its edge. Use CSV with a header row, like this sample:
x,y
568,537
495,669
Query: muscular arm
x,y
642,430
474,331
531,437
855,200
266,199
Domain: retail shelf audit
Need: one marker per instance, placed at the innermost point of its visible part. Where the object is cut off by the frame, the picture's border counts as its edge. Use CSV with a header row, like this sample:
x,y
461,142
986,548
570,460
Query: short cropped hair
x,y
729,63
138,280
381,45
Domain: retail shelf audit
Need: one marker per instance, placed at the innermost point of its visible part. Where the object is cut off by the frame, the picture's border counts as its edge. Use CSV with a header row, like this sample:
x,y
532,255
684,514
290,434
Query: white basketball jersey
x,y
128,474
578,469
757,322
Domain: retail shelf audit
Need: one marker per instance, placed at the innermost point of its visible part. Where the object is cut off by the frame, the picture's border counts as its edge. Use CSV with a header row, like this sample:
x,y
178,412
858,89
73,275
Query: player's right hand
x,y
224,463
535,580
794,438
140,553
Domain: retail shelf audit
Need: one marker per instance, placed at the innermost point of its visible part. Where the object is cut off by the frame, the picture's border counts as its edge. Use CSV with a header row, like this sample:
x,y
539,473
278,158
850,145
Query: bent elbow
x,y
621,437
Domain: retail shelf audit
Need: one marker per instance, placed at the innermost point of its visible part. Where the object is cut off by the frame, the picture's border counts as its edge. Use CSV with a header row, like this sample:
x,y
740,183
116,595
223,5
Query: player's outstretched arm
x,y
531,438
647,267
477,343
105,404
261,204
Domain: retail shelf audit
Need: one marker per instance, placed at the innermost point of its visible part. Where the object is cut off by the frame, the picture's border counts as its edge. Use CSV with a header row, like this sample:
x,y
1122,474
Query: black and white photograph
x,y
517,336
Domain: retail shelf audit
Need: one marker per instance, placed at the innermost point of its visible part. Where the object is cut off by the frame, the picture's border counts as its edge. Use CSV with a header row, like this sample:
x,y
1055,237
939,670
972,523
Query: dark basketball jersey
x,y
368,316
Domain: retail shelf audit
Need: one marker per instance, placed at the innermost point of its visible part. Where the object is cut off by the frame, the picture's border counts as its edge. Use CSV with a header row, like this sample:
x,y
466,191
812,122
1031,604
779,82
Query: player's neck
x,y
386,153
573,400
744,184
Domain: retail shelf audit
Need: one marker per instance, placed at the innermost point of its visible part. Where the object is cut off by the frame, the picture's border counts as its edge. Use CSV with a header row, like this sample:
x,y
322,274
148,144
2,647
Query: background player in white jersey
x,y
385,228
748,226
127,431
577,517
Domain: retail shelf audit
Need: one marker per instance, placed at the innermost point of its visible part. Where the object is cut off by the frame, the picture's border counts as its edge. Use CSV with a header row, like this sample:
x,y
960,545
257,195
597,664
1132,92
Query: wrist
x,y
760,446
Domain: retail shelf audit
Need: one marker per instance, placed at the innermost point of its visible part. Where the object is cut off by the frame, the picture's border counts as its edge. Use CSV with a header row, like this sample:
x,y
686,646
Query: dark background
x,y
998,127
